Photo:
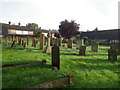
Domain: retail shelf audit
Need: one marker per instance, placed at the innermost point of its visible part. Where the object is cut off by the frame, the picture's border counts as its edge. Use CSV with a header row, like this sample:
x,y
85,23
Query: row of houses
x,y
103,35
17,30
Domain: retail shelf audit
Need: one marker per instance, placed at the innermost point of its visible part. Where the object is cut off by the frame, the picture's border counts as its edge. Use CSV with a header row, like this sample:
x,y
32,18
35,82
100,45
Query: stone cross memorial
x,y
55,56
48,48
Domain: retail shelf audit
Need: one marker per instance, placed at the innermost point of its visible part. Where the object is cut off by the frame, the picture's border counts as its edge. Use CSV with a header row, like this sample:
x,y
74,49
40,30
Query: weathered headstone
x,y
34,44
115,46
13,43
19,42
82,50
94,46
55,56
69,43
86,43
79,43
24,44
27,40
42,38
112,55
48,48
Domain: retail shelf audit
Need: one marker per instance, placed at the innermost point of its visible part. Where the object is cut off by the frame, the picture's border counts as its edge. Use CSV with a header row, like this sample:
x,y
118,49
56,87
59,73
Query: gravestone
x,y
42,38
19,42
27,40
82,50
115,46
86,43
55,56
17,39
48,48
79,43
94,46
24,44
13,43
112,55
69,43
33,42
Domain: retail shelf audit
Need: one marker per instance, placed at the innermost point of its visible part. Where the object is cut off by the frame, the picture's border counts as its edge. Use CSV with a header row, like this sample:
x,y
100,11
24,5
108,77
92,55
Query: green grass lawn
x,y
90,71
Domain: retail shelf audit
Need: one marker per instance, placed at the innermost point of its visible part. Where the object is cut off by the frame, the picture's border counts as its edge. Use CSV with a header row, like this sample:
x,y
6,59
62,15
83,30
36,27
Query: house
x,y
102,35
16,30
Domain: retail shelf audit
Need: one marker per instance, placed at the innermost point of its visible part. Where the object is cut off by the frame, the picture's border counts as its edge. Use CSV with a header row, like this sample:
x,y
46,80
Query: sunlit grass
x,y
91,71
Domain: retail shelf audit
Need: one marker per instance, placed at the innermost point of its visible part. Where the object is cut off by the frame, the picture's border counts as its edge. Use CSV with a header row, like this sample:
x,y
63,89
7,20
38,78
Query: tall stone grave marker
x,y
27,40
42,38
86,43
48,48
19,42
79,43
13,43
94,46
55,56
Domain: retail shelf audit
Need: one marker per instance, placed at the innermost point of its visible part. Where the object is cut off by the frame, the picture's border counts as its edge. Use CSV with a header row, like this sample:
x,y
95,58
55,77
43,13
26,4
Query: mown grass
x,y
90,71
28,76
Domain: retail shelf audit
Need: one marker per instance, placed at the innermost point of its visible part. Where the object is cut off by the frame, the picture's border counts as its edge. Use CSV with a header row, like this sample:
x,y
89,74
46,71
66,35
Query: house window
x,y
11,31
25,32
20,32
30,32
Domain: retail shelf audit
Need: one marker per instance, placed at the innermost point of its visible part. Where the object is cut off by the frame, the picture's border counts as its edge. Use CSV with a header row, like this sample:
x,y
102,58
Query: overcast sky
x,y
49,13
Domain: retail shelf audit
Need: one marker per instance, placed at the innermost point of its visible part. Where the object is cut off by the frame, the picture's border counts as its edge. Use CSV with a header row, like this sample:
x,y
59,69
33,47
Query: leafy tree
x,y
68,29
32,25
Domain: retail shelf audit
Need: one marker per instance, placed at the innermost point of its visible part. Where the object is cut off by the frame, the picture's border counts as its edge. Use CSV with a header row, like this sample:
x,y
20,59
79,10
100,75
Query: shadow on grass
x,y
96,54
97,61
98,64
69,54
40,65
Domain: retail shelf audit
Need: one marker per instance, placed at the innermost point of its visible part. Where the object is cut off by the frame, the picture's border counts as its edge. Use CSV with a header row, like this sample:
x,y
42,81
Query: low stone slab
x,y
56,83
25,65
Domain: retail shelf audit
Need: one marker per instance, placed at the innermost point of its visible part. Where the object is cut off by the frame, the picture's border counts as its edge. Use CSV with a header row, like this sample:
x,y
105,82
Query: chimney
x,y
9,22
19,24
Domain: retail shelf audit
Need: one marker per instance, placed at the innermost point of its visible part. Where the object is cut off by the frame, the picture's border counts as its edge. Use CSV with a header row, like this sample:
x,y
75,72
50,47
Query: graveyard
x,y
27,65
